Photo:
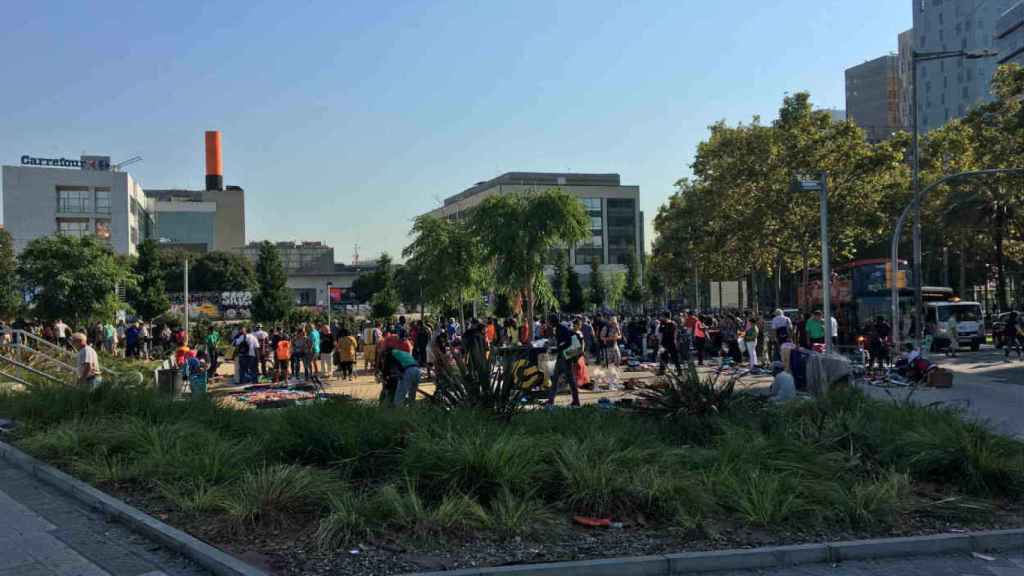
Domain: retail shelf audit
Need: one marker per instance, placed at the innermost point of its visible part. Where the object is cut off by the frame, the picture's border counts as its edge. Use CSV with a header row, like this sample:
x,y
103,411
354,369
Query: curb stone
x,y
213,559
755,558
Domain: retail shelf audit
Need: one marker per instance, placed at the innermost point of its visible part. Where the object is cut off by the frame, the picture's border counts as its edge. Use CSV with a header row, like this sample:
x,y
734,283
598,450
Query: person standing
x,y
953,332
699,335
815,328
87,363
263,355
346,347
131,341
1013,335
298,354
282,355
568,348
326,351
612,335
750,334
62,331
667,330
782,332
879,348
313,352
213,351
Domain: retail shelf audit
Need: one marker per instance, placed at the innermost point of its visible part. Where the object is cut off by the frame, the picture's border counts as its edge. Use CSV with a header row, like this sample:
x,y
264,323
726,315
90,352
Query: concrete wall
x,y
230,220
319,282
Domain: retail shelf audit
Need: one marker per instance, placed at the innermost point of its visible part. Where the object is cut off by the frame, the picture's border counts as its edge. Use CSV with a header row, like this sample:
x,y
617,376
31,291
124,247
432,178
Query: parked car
x,y
998,324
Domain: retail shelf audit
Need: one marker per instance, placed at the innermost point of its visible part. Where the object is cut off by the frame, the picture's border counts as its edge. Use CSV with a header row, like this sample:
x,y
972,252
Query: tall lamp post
x,y
821,186
917,57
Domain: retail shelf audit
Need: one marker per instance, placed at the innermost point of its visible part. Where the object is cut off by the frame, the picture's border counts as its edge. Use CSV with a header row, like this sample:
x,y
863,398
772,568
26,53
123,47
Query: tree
x,y
172,263
409,283
517,231
365,286
598,292
73,278
560,279
633,292
221,272
451,259
384,303
656,288
148,296
616,286
577,300
273,300
10,295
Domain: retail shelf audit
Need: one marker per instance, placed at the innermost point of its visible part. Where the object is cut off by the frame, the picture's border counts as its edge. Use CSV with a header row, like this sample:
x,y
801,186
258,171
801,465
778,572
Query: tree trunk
x,y
963,268
778,283
998,236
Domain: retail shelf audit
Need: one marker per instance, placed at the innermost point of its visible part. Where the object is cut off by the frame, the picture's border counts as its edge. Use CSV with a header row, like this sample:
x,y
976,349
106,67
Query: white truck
x,y
969,320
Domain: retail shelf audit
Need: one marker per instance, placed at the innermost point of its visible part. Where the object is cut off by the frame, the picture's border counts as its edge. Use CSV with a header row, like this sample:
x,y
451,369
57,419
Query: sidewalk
x,y
950,565
44,533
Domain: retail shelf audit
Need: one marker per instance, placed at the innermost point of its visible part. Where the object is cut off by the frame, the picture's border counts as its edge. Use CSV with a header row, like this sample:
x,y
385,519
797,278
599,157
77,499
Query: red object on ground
x,y
592,522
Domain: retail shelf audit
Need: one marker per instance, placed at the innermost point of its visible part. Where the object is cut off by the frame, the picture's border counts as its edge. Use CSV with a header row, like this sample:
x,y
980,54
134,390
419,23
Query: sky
x,y
343,120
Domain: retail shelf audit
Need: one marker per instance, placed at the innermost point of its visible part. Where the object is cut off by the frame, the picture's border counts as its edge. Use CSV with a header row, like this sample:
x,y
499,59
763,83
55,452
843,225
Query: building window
x,y
622,229
73,227
103,200
591,204
103,229
73,200
965,92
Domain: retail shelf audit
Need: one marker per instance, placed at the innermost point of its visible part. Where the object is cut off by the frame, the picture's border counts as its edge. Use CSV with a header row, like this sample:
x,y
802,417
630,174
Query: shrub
x,y
350,519
510,515
761,498
475,461
272,492
871,503
193,497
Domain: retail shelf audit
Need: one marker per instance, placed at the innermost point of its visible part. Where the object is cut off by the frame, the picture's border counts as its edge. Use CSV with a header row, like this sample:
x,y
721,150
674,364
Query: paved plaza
x,y
44,533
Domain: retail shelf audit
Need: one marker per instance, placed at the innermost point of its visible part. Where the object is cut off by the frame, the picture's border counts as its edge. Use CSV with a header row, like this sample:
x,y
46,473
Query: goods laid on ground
x,y
274,398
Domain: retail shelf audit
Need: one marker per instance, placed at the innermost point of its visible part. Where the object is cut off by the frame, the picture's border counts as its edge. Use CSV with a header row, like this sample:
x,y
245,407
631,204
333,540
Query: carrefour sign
x,y
85,162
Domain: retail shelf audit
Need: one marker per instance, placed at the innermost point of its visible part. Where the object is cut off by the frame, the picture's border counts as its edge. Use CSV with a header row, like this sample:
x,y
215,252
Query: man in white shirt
x,y
87,363
62,330
835,330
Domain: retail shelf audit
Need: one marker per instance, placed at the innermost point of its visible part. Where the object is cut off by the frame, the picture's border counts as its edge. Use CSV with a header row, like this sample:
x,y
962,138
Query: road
x,y
44,533
952,565
986,386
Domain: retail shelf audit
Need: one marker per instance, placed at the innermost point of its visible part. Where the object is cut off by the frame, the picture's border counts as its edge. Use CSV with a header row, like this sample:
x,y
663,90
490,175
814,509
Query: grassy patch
x,y
358,471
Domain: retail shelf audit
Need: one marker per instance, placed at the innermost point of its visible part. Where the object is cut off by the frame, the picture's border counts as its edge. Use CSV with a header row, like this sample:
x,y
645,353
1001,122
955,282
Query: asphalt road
x,y
951,565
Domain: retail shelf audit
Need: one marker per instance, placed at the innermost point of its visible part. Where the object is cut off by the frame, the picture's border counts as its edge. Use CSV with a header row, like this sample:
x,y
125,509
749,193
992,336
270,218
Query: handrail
x,y
32,370
15,378
44,356
51,345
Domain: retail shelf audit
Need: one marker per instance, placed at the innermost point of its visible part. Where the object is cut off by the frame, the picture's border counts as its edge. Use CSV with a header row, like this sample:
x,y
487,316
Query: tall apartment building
x,y
1010,35
947,89
873,97
616,223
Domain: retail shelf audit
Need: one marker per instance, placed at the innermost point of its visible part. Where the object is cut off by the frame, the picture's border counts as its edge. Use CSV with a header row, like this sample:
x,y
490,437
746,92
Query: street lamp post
x,y
821,186
916,169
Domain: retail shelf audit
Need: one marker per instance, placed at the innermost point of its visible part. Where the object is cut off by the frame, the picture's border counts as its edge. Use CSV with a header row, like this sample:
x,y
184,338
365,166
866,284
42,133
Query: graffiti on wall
x,y
214,305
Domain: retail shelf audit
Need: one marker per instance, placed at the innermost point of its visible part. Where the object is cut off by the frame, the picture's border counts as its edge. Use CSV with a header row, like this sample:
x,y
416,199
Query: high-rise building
x,y
903,59
616,223
872,97
1010,35
948,88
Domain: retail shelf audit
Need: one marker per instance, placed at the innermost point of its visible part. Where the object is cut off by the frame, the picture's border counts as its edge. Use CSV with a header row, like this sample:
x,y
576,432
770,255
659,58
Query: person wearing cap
x,y
87,362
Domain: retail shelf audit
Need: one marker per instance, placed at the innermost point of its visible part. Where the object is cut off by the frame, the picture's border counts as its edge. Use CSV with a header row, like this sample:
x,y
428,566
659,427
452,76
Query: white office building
x,y
46,196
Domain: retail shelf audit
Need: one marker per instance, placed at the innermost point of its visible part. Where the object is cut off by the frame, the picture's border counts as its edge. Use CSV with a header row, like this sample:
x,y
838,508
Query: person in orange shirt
x,y
282,357
490,332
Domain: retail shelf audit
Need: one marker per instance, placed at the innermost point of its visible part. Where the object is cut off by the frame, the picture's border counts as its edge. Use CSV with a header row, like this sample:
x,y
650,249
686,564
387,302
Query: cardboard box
x,y
940,378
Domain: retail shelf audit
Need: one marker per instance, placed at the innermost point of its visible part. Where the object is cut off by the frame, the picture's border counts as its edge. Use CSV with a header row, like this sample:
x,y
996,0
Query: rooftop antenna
x,y
355,255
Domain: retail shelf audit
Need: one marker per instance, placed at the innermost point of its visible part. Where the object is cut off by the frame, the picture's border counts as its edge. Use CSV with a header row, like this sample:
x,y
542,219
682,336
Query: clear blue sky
x,y
344,120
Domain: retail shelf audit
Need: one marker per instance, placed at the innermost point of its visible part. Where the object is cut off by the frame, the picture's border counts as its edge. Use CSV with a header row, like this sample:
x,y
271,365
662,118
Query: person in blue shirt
x,y
567,353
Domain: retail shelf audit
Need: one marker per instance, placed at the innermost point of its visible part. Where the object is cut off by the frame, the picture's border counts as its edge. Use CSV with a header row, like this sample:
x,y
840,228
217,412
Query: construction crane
x,y
117,167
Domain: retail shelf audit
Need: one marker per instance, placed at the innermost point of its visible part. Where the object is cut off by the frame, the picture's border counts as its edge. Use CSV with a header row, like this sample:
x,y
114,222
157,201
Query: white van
x,y
970,322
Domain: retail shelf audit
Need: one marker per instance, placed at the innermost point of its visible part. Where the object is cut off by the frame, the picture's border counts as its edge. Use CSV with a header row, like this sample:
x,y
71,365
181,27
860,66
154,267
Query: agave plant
x,y
684,393
480,382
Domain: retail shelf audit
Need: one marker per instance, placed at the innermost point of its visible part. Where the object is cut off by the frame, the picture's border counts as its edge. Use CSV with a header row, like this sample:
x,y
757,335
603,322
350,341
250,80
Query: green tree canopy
x,y
560,279
597,295
577,298
517,231
10,295
450,258
384,303
73,278
633,291
273,300
221,272
148,296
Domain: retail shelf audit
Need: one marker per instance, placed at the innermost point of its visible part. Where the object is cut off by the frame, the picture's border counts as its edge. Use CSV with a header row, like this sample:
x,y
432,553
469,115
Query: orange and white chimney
x,y
214,166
